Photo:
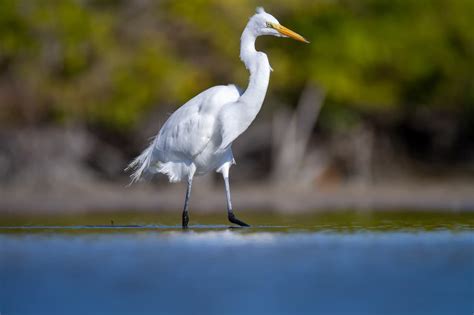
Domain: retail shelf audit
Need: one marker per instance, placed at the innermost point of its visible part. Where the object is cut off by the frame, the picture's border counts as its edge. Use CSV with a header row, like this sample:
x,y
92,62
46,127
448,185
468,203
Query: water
x,y
350,263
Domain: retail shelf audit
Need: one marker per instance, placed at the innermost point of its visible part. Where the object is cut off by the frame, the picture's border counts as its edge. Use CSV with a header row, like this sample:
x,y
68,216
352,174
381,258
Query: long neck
x,y
237,116
259,67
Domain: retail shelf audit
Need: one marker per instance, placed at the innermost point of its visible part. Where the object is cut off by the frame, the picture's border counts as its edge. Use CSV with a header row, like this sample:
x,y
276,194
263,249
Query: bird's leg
x,y
230,212
186,203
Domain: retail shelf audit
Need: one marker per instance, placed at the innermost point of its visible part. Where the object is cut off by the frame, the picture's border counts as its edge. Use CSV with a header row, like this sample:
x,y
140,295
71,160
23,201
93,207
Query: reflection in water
x,y
261,221
229,271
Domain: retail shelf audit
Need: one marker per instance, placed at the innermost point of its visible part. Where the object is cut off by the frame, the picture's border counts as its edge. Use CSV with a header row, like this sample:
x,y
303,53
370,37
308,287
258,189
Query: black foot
x,y
185,220
234,220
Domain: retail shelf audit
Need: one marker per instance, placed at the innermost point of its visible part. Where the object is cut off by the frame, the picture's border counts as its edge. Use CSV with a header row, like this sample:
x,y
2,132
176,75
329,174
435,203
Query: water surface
x,y
349,263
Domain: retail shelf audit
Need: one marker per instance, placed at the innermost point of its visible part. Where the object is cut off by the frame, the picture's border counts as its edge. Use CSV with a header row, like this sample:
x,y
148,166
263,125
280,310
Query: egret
x,y
198,136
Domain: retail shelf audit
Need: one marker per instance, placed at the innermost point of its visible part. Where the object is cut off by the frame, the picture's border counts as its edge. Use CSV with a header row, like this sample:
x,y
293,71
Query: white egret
x,y
198,136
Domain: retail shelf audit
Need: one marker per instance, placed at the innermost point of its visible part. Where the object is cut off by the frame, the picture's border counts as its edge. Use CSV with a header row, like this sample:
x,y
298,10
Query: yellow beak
x,y
289,33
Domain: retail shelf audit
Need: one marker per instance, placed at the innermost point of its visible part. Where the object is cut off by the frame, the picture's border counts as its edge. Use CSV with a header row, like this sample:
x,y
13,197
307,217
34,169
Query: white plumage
x,y
197,137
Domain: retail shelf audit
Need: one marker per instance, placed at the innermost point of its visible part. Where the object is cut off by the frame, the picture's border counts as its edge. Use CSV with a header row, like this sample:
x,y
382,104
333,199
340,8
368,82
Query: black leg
x,y
186,204
230,212
234,220
185,219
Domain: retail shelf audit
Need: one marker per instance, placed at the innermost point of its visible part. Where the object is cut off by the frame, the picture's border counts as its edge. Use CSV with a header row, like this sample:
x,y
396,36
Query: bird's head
x,y
263,23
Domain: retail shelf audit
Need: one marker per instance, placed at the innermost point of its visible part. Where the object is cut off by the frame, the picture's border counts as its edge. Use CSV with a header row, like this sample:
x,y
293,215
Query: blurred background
x,y
377,112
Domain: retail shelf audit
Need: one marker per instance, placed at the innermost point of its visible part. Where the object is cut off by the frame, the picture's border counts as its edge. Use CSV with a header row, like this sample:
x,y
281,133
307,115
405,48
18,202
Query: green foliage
x,y
110,62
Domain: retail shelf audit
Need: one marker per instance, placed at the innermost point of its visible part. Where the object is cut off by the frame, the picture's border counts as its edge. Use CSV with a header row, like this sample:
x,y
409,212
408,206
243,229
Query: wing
x,y
189,129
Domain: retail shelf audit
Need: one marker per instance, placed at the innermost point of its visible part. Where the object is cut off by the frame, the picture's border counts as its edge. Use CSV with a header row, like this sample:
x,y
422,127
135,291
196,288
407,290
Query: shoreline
x,y
445,197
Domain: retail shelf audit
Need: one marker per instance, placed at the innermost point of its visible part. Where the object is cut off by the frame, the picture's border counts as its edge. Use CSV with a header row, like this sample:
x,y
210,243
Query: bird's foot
x,y
185,220
234,220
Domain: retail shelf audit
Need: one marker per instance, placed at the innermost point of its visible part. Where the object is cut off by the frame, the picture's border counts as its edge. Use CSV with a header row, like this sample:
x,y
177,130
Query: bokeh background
x,y
377,112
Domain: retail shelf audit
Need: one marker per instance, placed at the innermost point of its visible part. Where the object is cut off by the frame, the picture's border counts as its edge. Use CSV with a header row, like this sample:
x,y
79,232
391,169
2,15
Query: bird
x,y
197,138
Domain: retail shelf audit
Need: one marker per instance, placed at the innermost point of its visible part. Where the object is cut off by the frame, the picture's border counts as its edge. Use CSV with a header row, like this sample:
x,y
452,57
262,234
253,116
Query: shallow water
x,y
348,263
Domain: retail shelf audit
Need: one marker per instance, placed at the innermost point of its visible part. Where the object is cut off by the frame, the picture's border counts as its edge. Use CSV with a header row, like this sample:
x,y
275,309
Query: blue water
x,y
231,272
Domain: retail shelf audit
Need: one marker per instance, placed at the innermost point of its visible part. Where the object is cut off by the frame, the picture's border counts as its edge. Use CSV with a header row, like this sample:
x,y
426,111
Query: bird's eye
x,y
269,25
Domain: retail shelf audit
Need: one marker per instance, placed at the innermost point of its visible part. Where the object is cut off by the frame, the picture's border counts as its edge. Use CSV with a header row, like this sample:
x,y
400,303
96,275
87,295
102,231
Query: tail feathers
x,y
141,164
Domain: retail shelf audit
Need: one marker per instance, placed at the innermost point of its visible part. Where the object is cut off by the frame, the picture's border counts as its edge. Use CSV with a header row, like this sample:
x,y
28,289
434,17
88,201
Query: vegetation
x,y
108,62
401,67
